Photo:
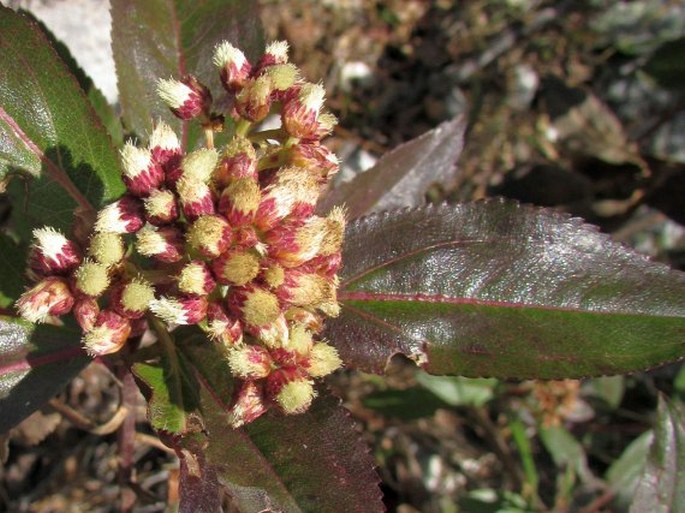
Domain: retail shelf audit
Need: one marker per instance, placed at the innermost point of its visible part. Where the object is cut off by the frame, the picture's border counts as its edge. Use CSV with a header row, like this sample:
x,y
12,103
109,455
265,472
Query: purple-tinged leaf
x,y
36,362
153,39
314,462
402,176
662,486
49,133
503,290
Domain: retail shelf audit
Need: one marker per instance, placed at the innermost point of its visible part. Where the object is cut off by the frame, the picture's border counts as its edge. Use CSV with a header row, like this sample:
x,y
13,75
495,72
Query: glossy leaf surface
x,y
402,176
661,489
36,362
49,132
496,289
314,462
153,39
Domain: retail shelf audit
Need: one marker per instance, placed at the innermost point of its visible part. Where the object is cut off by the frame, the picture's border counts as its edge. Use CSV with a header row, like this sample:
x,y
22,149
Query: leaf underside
x,y
499,289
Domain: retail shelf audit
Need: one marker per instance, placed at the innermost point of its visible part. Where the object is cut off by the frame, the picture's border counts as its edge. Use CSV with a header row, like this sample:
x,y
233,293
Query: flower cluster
x,y
223,238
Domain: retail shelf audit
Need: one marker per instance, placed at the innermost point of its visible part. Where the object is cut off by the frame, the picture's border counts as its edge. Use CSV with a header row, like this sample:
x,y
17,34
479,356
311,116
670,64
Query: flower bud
x,y
275,52
274,275
106,248
141,174
160,207
180,310
196,198
300,114
300,340
272,335
249,361
326,123
310,320
254,101
186,98
295,190
283,76
236,267
239,160
254,305
164,244
293,244
108,335
306,289
91,278
132,299
195,279
210,235
50,296
125,215
52,252
291,391
323,359
234,68
222,328
247,406
239,201
86,311
199,165
315,157
165,146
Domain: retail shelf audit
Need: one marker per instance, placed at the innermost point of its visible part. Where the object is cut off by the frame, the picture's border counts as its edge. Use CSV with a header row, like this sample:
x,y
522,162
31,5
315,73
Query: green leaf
x,y
49,132
408,404
153,39
458,391
12,266
667,65
625,472
36,362
497,289
661,489
314,462
400,179
171,393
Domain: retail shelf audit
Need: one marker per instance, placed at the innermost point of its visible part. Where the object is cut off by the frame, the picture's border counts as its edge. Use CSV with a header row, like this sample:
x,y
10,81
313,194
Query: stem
x,y
209,137
277,159
126,440
275,133
243,127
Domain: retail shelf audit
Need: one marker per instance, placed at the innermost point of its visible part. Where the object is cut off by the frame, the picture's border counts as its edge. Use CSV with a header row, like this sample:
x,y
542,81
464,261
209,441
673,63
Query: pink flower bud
x,y
86,311
276,52
195,279
315,157
272,334
308,319
300,114
311,290
50,296
249,361
254,101
294,244
186,98
222,328
239,160
141,174
164,244
132,299
199,165
180,310
196,198
52,252
294,190
210,235
125,215
255,306
323,359
236,267
160,207
164,145
234,68
248,405
107,248
292,391
239,201
108,335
